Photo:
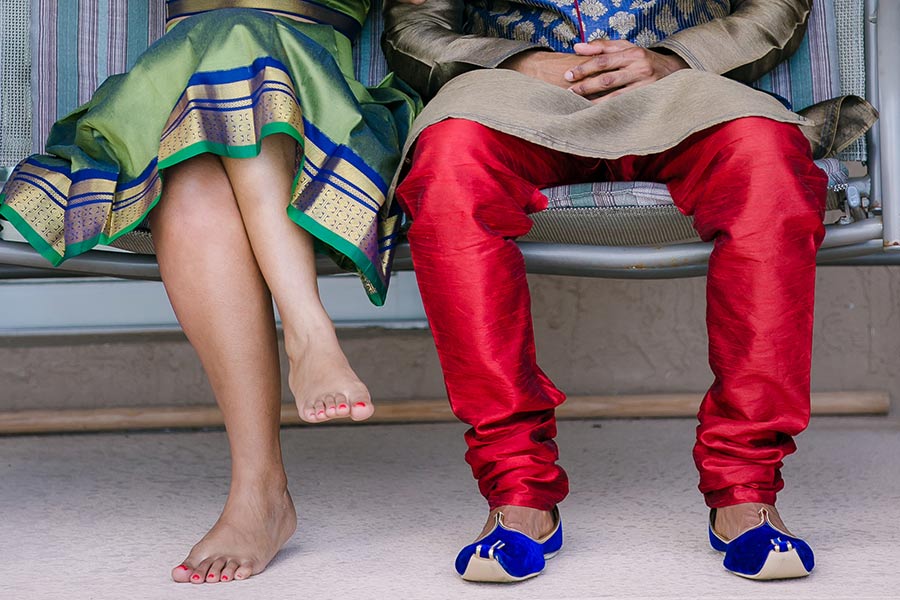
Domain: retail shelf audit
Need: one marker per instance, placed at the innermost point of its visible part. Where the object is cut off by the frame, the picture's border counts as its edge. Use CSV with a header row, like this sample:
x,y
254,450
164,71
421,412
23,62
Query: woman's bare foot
x,y
324,385
534,523
732,521
256,522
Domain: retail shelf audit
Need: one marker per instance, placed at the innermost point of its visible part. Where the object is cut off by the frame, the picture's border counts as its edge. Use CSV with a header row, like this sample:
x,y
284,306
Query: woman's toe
x,y
342,406
228,571
361,408
244,571
319,407
199,574
182,573
330,406
215,570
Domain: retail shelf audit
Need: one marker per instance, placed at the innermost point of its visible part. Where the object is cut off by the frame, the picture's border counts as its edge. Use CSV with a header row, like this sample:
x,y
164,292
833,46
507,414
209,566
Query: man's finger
x,y
601,46
604,82
596,65
620,91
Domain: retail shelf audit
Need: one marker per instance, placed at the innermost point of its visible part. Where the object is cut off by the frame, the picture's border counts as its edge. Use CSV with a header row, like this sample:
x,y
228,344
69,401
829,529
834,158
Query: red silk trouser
x,y
752,189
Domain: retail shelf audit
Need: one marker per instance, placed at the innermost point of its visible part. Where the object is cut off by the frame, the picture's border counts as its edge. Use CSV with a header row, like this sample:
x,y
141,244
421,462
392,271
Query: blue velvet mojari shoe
x,y
763,551
505,555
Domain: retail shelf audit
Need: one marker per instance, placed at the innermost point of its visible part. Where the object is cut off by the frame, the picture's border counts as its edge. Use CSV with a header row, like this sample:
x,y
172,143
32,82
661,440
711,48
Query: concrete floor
x,y
383,510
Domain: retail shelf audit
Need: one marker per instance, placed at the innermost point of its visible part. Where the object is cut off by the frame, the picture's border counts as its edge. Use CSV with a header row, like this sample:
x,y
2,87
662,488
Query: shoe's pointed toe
x,y
502,559
765,552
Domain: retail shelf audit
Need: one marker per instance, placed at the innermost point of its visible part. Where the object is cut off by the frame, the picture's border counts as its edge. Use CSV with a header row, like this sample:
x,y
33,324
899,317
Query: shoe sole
x,y
779,565
486,570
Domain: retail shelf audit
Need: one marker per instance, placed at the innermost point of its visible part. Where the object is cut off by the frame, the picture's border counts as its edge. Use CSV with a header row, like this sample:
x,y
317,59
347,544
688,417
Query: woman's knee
x,y
197,199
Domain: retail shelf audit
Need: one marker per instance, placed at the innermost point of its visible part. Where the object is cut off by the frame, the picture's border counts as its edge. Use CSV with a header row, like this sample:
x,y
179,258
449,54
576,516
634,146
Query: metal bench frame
x,y
871,241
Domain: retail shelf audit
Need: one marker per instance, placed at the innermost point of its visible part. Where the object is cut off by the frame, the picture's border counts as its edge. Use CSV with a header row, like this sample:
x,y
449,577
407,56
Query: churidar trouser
x,y
752,189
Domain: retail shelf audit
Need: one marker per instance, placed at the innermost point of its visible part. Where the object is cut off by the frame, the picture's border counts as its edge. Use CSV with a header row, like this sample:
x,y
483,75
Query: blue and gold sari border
x,y
345,153
373,281
346,187
31,236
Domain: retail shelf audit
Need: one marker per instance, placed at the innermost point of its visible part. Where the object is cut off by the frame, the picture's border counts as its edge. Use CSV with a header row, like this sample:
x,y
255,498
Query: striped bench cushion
x,y
812,74
76,44
631,214
830,62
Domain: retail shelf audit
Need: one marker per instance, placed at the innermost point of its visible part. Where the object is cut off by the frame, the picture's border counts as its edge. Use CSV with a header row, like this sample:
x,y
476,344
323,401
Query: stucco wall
x,y
594,337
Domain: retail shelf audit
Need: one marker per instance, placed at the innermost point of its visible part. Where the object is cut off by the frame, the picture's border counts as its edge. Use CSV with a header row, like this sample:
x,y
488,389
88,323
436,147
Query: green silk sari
x,y
226,74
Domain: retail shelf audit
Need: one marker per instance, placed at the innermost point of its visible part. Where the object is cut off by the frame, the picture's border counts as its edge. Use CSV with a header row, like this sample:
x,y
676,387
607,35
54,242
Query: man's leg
x,y
753,189
469,193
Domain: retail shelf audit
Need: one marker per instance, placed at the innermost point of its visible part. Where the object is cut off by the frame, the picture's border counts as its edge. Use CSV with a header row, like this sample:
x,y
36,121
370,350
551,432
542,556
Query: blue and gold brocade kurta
x,y
556,23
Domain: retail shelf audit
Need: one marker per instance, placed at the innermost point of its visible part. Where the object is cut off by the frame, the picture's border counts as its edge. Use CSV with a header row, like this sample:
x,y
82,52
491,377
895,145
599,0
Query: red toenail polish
x,y
360,404
224,577
195,577
342,406
182,567
321,412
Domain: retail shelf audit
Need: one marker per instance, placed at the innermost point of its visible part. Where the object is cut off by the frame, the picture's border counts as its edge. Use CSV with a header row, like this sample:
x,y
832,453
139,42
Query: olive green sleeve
x,y
425,46
746,44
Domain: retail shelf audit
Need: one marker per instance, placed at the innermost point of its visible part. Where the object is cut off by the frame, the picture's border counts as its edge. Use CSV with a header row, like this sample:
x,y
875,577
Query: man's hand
x,y
617,66
600,69
546,66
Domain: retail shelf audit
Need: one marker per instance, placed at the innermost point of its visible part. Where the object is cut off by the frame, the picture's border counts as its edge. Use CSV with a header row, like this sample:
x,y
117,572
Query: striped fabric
x,y
834,33
78,44
609,214
812,73
633,213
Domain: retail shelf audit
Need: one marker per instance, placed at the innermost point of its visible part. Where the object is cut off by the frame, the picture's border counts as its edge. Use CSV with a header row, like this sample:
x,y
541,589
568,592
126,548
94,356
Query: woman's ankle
x,y
308,335
271,480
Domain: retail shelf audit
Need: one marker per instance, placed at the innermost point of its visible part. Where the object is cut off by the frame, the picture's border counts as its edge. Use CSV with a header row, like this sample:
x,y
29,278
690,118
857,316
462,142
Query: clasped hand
x,y
598,70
